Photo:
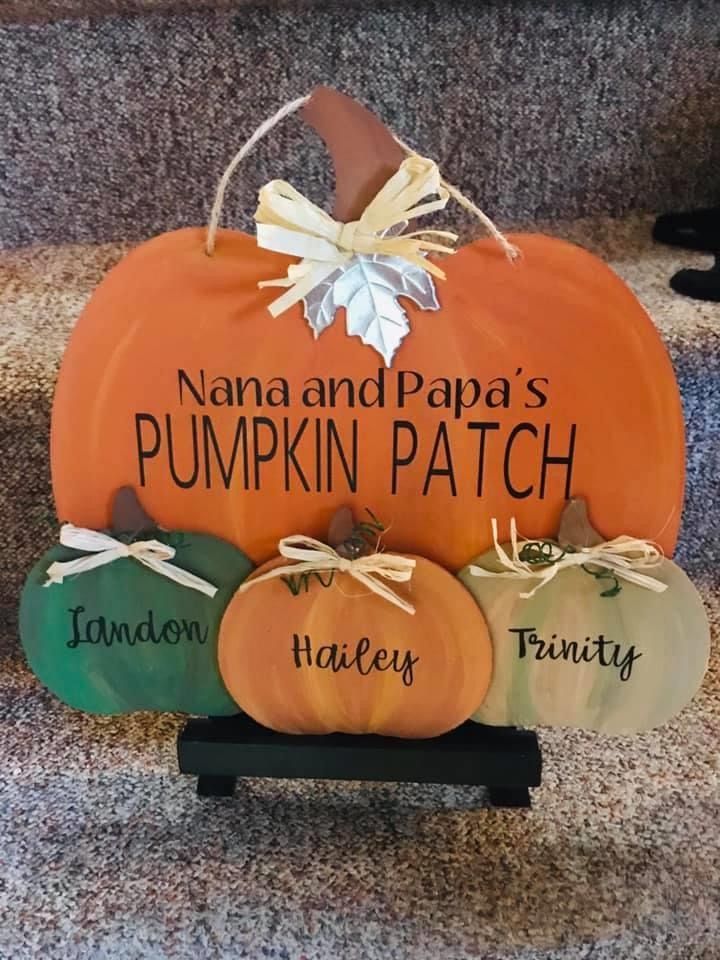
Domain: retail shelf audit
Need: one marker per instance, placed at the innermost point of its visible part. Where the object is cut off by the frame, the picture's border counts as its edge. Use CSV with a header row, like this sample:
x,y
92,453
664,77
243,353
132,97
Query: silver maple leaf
x,y
368,288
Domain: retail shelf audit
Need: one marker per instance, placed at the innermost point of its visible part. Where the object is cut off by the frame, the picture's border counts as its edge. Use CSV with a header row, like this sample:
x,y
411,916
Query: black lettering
x,y
514,434
334,391
444,471
249,383
145,453
76,639
362,648
334,442
193,631
185,381
260,456
406,668
313,394
170,632
306,649
326,657
97,626
522,646
460,401
397,460
119,633
145,630
221,392
439,394
290,453
192,478
407,391
365,396
502,392
626,664
226,470
483,427
539,394
566,460
279,386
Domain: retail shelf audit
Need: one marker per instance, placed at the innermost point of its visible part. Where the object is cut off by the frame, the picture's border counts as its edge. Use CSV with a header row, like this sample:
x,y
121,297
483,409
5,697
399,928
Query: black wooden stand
x,y
219,750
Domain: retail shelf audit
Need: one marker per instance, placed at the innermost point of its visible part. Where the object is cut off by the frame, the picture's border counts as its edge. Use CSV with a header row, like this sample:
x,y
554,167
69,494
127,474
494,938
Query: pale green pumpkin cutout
x,y
646,652
165,659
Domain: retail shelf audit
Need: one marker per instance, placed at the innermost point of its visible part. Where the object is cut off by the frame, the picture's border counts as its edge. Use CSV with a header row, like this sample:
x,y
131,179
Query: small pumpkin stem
x,y
128,515
575,528
341,527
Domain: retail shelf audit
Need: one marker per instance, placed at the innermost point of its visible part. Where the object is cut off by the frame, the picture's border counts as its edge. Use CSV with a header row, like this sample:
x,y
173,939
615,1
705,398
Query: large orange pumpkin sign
x,y
534,380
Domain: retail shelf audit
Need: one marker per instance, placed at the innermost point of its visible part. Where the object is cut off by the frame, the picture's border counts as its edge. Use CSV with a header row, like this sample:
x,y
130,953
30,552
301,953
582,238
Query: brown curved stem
x,y
575,527
363,150
128,515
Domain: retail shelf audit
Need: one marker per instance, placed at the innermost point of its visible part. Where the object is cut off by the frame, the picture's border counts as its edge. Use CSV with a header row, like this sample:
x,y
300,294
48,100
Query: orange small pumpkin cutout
x,y
342,659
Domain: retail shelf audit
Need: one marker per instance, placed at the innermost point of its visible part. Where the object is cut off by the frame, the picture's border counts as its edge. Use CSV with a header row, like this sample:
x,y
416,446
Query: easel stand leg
x,y
219,750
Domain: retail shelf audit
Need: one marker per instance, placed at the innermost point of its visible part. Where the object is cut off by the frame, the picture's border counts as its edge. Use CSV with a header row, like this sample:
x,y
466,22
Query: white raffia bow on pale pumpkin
x,y
287,222
625,557
314,556
103,549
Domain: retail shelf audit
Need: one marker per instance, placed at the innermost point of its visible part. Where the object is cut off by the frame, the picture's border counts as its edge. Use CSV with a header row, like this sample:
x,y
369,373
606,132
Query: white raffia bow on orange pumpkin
x,y
287,222
103,549
314,556
624,556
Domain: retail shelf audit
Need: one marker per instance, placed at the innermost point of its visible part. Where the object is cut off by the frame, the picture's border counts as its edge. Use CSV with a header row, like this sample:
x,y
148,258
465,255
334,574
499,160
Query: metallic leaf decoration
x,y
368,288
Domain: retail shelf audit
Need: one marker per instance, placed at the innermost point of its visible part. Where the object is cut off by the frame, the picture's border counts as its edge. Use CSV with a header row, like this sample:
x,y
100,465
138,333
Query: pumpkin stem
x,y
364,152
575,528
128,515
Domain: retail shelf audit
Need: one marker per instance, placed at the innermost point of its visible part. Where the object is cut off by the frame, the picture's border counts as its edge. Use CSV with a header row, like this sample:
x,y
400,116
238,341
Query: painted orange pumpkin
x,y
342,659
534,381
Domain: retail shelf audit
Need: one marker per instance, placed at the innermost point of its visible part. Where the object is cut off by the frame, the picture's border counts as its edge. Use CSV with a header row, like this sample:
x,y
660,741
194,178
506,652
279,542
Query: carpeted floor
x,y
105,852
120,126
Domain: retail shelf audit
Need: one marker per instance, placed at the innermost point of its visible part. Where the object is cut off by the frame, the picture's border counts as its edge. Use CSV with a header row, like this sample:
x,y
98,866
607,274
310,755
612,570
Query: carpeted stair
x,y
119,126
116,127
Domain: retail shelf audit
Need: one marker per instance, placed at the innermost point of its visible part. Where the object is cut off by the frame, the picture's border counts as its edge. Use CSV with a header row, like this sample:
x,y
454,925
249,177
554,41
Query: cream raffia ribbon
x,y
624,556
103,549
287,222
314,556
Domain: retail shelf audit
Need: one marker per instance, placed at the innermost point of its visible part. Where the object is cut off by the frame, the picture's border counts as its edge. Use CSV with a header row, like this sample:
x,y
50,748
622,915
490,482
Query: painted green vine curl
x,y
544,553
363,539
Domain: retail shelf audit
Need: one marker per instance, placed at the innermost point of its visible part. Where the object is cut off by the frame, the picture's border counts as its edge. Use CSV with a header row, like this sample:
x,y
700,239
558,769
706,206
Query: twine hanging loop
x,y
442,189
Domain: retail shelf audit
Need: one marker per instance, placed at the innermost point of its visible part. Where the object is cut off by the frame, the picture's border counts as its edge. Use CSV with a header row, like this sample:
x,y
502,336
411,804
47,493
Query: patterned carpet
x,y
106,852
119,126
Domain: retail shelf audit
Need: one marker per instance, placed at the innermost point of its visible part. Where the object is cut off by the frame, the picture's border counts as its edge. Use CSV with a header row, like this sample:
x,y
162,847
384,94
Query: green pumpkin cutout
x,y
589,649
123,637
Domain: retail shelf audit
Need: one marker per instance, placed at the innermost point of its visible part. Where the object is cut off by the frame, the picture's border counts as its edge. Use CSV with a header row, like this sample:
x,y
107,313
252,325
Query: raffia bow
x,y
287,222
314,556
103,549
625,557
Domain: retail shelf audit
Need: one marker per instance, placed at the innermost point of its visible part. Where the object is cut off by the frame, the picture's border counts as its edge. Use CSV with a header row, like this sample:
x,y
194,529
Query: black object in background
x,y
693,230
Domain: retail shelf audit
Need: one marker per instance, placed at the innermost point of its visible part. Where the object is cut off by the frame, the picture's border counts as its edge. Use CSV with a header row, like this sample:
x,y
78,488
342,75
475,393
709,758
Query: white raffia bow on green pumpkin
x,y
103,549
624,557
